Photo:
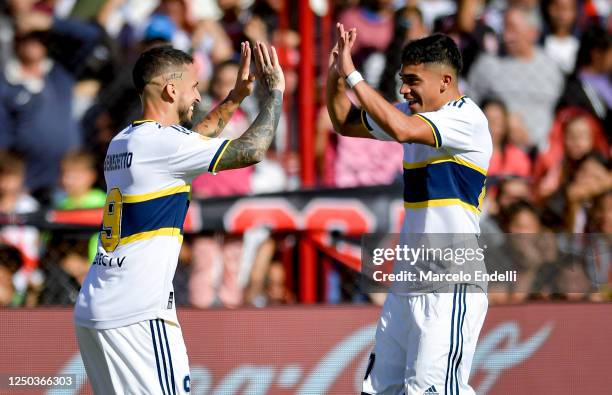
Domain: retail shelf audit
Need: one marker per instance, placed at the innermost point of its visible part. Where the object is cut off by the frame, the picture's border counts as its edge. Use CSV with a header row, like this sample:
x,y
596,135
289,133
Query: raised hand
x,y
268,68
333,59
346,39
245,81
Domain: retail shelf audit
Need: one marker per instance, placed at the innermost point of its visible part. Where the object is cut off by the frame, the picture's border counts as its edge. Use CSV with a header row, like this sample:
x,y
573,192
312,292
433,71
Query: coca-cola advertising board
x,y
523,349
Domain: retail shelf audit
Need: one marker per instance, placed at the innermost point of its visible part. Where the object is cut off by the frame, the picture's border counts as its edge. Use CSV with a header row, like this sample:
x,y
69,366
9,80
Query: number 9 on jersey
x,y
111,225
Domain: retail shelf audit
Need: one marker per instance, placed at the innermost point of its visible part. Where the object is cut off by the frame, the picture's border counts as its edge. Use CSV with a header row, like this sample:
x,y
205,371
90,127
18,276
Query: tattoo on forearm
x,y
251,147
220,126
223,112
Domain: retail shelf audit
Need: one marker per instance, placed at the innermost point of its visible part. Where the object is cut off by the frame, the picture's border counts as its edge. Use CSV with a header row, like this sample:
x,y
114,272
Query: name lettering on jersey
x,y
105,260
118,161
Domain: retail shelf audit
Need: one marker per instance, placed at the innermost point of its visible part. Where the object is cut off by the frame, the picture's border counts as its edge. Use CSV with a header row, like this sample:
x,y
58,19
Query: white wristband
x,y
354,78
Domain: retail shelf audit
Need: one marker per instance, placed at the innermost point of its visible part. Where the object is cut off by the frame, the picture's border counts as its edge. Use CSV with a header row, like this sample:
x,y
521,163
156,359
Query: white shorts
x,y
425,343
148,357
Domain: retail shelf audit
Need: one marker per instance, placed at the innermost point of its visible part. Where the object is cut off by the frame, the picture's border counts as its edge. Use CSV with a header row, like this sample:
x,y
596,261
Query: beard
x,y
184,114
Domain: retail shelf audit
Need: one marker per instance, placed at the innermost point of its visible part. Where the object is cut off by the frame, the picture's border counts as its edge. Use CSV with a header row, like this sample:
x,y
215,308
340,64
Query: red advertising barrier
x,y
528,349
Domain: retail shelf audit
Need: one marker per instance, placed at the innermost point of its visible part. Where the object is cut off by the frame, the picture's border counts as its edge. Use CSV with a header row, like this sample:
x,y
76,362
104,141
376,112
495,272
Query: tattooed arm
x,y
214,123
251,147
216,120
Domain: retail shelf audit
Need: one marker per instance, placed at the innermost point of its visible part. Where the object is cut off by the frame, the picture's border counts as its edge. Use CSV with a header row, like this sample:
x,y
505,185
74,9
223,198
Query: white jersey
x,y
444,185
148,169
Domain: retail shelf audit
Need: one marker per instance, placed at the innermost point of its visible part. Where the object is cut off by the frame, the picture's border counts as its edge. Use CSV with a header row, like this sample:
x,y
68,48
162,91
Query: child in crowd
x,y
77,179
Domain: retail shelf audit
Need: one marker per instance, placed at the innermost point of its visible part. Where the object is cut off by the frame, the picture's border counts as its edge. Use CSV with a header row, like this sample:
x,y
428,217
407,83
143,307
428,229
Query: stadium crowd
x,y
540,70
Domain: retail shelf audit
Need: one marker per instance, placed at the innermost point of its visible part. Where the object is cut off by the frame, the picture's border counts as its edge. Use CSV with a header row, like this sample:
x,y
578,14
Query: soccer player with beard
x,y
126,324
425,341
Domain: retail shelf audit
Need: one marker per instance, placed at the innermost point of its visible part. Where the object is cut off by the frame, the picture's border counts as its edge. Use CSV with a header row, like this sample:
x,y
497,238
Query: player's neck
x,y
160,113
448,96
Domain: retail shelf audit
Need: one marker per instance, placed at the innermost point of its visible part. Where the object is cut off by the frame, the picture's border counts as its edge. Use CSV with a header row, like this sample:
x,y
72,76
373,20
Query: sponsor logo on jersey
x,y
105,260
170,300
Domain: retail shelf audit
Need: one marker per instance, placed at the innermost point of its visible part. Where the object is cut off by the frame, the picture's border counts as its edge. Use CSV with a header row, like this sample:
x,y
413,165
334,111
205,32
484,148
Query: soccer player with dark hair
x,y
125,315
425,341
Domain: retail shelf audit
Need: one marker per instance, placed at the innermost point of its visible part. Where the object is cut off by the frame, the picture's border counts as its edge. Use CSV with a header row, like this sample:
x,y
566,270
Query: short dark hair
x,y
510,213
156,61
437,48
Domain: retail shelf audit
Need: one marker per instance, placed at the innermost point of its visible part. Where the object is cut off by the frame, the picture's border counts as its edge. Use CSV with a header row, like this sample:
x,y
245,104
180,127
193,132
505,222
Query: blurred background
x,y
287,231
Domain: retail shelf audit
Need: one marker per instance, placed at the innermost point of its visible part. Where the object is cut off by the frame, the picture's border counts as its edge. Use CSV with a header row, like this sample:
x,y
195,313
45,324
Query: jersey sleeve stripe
x,y
157,194
434,129
364,121
215,160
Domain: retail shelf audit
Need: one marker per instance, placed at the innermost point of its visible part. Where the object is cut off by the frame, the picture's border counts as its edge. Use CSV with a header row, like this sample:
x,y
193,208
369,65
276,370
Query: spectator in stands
x,y
494,12
211,47
507,158
258,274
183,273
579,135
434,9
36,94
276,291
408,25
530,250
77,179
346,166
470,31
559,43
589,86
230,182
215,272
513,190
66,265
591,178
117,103
600,216
10,261
598,251
15,200
525,78
374,21
234,20
509,190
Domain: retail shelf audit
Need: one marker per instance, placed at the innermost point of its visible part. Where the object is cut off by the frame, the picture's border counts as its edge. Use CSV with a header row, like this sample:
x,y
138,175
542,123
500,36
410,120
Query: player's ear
x,y
169,92
445,82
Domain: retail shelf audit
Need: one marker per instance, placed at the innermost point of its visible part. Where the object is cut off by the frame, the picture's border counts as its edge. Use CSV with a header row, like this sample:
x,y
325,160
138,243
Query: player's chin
x,y
415,107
